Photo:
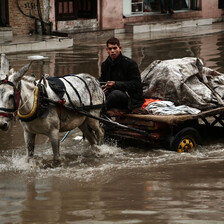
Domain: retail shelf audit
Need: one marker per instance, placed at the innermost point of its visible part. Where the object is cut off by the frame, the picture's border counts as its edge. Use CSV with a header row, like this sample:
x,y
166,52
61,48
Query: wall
x,y
52,14
210,9
20,23
112,14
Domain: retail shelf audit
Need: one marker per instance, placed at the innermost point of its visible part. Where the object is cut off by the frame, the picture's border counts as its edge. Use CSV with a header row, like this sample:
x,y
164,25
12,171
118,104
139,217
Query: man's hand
x,y
109,85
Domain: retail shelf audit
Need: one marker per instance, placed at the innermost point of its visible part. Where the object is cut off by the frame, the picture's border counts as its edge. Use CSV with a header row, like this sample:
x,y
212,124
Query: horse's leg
x,y
87,133
30,143
95,125
54,139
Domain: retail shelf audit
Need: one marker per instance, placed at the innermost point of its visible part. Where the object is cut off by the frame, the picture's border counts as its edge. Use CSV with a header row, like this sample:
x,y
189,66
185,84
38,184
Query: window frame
x,y
80,9
66,16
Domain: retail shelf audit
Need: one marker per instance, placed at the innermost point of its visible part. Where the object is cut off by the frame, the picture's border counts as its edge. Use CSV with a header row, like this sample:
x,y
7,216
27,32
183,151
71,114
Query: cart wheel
x,y
185,140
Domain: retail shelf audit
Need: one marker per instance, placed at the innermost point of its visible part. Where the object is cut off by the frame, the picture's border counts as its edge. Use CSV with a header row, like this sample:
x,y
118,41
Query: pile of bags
x,y
184,81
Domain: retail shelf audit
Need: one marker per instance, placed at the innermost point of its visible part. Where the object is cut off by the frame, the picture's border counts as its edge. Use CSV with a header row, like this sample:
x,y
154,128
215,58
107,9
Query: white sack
x,y
184,81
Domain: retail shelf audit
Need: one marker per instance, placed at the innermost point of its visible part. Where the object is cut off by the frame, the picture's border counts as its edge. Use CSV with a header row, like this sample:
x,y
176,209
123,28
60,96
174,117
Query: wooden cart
x,y
176,132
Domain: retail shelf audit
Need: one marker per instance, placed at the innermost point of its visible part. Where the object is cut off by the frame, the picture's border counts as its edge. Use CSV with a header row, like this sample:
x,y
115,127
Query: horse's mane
x,y
28,78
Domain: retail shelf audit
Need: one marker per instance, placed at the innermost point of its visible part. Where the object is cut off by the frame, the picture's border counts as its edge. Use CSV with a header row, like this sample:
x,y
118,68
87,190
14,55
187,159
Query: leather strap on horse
x,y
31,114
6,115
40,105
86,107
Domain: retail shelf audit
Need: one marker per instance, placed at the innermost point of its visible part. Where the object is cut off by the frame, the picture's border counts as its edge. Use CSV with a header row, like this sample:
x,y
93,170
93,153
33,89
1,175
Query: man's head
x,y
113,48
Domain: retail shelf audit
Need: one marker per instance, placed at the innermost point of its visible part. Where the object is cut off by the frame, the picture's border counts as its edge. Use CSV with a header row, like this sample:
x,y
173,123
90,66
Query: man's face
x,y
113,51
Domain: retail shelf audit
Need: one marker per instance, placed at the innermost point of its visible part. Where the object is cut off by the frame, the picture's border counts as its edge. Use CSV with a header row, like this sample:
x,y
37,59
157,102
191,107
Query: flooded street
x,y
113,183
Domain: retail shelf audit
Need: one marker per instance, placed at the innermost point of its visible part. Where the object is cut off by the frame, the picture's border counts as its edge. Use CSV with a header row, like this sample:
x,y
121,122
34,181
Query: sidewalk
x,y
47,43
21,43
174,33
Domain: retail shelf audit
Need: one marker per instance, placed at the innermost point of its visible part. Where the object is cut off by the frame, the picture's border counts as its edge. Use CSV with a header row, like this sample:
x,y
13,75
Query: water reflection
x,y
88,58
175,192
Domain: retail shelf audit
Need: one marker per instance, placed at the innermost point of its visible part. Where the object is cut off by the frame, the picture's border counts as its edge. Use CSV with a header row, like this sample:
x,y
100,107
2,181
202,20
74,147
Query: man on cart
x,y
121,78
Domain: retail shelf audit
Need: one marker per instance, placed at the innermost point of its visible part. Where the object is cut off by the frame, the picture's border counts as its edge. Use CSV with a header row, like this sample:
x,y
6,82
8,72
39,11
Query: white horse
x,y
20,94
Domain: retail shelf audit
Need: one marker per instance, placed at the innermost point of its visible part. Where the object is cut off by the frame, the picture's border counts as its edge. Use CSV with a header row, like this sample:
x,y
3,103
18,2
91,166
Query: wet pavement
x,y
129,183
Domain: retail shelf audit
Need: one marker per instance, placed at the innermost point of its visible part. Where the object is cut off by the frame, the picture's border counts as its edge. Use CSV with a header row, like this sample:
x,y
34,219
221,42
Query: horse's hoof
x,y
29,159
56,162
46,164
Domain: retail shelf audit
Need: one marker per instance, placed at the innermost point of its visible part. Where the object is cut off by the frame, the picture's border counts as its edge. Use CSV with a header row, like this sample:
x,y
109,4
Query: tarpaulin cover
x,y
184,81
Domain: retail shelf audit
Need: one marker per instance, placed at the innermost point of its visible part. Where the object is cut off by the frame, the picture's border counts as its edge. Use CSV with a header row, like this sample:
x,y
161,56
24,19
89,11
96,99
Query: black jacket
x,y
124,71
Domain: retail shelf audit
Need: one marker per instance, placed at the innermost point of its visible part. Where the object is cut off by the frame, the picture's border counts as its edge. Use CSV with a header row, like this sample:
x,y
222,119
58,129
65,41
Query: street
x,y
114,184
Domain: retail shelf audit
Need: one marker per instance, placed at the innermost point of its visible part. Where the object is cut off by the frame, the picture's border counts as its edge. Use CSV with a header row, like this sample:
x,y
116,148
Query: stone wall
x,y
72,25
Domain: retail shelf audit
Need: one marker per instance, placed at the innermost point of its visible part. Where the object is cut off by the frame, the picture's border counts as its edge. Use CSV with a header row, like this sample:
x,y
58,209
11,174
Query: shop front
x,y
134,7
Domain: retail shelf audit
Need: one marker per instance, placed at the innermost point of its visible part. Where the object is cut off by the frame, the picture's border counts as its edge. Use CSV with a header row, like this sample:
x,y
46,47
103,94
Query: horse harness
x,y
41,101
7,112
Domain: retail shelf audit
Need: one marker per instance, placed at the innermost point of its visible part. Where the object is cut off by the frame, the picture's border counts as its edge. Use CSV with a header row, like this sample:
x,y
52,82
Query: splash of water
x,y
80,161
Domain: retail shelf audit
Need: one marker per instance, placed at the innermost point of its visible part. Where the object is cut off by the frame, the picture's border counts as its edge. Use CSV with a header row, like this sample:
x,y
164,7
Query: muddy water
x,y
113,183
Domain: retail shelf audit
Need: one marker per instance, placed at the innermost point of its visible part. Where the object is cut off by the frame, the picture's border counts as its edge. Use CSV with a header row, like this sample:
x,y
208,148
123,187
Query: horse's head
x,y
9,80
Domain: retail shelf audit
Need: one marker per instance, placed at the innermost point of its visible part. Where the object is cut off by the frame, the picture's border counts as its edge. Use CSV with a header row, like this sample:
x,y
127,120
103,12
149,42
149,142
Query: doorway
x,y
4,13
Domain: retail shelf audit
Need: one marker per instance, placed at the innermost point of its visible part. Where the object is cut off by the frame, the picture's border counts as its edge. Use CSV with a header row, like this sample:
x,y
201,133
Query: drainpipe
x,y
40,16
37,20
198,5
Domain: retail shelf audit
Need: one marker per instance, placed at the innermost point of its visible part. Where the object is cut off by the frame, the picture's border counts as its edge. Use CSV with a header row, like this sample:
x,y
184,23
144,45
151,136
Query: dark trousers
x,y
168,5
117,99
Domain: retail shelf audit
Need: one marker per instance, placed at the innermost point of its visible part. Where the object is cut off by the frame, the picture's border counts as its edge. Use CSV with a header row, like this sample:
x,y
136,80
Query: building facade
x,y
43,16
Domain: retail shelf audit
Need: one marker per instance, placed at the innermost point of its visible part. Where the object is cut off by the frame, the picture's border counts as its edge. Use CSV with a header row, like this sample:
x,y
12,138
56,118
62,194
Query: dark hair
x,y
113,41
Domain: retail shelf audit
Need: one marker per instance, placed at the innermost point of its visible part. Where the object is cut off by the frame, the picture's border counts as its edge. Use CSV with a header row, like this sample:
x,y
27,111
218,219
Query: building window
x,y
73,9
137,6
65,9
87,9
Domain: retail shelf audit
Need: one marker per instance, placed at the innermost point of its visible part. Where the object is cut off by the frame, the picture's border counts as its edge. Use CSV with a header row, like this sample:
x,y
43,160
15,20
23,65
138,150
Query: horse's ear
x,y
4,66
16,76
11,71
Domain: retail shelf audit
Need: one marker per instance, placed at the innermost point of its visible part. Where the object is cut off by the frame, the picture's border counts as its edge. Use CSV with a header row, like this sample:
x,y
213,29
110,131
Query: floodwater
x,y
113,184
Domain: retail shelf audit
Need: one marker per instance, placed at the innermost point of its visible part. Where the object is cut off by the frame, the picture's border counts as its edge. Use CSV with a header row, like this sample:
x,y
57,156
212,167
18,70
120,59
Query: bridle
x,y
17,92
